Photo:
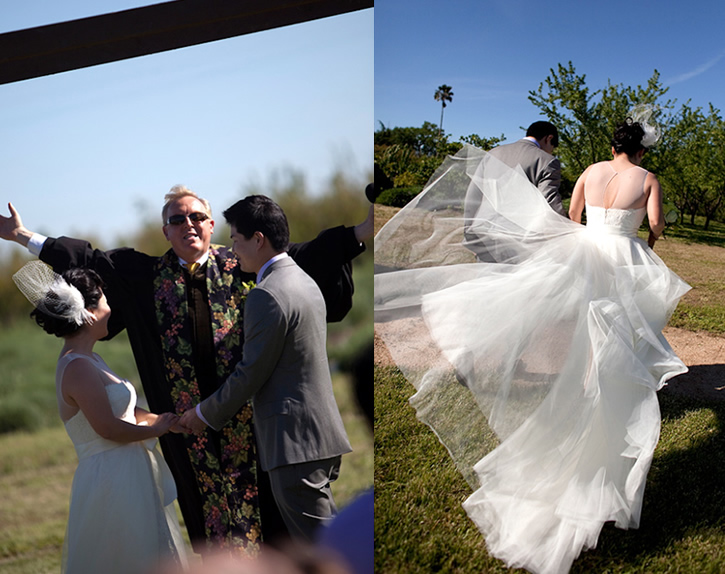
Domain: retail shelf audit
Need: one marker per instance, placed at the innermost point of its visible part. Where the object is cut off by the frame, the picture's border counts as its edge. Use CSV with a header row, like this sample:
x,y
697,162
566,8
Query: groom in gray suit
x,y
283,371
534,153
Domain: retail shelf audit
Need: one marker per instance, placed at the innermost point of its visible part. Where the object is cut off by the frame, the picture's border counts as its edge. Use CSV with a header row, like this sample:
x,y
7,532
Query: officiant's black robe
x,y
130,276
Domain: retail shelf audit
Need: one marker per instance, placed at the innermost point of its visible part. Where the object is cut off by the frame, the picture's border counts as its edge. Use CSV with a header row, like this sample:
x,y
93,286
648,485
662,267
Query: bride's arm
x,y
82,386
576,206
655,213
145,417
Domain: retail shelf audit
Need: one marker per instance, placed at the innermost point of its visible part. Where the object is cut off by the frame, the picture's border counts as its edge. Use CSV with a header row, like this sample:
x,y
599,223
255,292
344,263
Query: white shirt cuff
x,y
201,416
35,243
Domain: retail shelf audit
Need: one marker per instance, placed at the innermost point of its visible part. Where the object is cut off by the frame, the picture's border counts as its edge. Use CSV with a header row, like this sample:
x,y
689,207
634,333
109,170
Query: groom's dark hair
x,y
541,129
260,213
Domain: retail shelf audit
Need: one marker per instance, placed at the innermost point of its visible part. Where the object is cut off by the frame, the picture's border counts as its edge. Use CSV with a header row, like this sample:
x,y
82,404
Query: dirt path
x,y
703,353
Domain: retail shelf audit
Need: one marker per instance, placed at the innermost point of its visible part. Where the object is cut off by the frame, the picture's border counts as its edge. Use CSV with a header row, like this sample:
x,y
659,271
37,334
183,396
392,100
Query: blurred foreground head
x,y
288,558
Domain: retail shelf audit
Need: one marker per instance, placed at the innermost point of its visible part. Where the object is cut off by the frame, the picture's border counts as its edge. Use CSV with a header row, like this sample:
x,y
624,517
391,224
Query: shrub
x,y
19,414
408,179
398,196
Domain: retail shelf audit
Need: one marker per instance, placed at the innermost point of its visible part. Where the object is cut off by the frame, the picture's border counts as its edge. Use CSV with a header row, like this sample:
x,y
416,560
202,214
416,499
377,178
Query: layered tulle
x,y
513,321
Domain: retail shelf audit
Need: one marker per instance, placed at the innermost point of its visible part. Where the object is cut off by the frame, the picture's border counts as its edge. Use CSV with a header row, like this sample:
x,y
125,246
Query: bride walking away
x,y
554,336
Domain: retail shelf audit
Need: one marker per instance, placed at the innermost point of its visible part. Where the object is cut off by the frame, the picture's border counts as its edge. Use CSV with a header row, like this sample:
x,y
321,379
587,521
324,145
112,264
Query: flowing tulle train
x,y
548,329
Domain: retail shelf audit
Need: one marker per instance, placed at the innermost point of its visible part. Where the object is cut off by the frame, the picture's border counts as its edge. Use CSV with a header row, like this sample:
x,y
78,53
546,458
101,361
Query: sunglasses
x,y
179,219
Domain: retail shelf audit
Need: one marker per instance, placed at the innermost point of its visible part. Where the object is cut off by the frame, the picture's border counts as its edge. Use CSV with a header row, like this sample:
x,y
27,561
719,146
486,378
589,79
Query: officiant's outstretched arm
x,y
284,371
185,329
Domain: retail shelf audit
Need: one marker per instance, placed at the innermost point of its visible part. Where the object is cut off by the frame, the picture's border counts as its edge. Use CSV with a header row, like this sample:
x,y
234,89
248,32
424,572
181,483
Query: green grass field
x,y
421,527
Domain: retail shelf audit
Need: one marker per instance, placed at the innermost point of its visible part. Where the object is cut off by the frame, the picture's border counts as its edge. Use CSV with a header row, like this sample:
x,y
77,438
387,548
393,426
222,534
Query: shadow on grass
x,y
703,381
714,235
685,493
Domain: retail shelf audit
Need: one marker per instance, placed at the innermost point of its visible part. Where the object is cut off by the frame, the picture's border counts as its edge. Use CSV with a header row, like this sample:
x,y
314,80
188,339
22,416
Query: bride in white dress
x,y
122,518
549,337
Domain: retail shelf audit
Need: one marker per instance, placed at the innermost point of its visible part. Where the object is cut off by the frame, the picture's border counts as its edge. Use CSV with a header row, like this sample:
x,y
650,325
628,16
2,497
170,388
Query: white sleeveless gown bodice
x,y
622,222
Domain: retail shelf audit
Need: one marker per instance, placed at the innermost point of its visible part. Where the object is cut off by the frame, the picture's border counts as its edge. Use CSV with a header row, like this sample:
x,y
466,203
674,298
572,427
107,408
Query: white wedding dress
x,y
550,342
122,518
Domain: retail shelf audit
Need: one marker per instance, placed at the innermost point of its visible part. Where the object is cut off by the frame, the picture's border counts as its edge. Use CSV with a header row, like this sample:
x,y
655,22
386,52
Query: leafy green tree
x,y
423,140
482,143
394,159
586,119
676,152
409,156
693,174
443,94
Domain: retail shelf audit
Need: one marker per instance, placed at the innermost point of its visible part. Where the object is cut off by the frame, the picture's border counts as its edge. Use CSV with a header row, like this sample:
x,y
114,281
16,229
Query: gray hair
x,y
176,193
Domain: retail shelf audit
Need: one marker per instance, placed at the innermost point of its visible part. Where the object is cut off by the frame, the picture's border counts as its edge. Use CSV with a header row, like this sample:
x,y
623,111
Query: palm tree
x,y
443,94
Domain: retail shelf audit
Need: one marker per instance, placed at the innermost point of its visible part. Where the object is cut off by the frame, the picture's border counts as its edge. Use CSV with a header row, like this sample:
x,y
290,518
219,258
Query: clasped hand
x,y
189,423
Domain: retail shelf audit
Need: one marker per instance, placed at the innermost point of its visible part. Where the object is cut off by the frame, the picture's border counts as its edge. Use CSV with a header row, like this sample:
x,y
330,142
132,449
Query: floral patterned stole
x,y
224,462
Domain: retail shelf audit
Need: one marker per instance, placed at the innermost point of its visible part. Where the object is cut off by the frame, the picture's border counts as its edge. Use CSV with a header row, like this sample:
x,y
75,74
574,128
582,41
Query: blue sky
x,y
93,151
493,52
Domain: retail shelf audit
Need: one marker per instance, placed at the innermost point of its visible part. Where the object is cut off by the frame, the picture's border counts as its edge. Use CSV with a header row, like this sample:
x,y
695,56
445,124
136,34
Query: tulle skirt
x,y
542,335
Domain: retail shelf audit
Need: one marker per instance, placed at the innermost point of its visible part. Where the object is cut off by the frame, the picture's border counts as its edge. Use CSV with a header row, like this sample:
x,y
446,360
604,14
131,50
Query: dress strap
x,y
615,174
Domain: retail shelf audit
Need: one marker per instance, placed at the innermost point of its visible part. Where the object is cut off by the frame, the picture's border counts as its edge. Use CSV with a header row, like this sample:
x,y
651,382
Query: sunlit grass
x,y
421,527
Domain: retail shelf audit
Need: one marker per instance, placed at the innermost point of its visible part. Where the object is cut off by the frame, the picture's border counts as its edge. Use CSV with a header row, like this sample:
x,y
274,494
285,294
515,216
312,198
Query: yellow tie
x,y
191,266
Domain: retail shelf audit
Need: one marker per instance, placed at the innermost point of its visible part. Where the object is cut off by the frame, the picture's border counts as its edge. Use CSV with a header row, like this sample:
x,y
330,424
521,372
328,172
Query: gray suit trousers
x,y
303,495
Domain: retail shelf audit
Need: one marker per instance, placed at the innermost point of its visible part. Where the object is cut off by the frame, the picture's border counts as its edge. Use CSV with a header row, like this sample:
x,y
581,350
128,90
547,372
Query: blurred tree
x,y
13,303
341,202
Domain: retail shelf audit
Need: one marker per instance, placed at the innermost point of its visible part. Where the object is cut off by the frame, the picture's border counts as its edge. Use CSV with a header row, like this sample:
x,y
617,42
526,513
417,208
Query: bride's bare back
x,y
605,187
619,184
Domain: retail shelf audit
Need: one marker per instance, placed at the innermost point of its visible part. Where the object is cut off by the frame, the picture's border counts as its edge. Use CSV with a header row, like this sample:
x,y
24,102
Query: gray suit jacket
x,y
542,169
284,371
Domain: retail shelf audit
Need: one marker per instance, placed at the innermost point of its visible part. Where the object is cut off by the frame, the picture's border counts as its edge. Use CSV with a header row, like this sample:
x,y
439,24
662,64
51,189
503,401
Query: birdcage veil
x,y
643,114
51,294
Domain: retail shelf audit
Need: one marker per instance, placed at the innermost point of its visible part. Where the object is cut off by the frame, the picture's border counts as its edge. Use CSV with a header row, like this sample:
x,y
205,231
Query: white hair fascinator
x,y
642,114
51,294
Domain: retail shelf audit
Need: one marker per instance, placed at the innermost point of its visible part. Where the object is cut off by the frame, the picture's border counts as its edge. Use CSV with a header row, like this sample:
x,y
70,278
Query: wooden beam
x,y
64,46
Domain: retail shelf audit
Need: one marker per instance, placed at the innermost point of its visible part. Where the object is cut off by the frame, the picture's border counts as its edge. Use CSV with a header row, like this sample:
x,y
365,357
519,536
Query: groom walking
x,y
284,371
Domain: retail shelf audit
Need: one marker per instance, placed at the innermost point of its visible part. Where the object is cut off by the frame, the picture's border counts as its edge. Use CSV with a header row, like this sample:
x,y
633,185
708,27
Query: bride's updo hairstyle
x,y
89,284
627,137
